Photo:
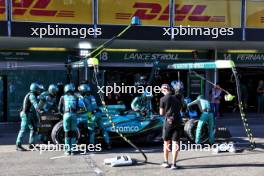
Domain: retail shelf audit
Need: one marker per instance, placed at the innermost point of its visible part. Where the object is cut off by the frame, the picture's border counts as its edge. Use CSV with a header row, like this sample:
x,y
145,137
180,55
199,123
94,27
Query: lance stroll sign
x,y
143,57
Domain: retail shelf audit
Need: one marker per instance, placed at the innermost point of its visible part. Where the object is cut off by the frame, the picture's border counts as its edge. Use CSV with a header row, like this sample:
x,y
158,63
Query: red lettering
x,y
42,4
2,10
22,3
2,3
153,9
43,12
165,14
19,11
199,9
182,12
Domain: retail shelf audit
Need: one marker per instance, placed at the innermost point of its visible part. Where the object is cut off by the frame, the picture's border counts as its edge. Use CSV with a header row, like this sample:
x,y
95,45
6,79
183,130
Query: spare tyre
x,y
58,135
190,131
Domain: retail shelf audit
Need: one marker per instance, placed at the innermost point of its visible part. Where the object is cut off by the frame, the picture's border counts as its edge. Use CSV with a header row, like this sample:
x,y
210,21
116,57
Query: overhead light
x,y
85,45
177,51
46,49
121,50
84,53
242,51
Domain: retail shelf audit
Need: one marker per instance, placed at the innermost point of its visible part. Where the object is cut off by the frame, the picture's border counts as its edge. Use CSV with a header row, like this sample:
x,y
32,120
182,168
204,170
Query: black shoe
x,y
109,147
20,148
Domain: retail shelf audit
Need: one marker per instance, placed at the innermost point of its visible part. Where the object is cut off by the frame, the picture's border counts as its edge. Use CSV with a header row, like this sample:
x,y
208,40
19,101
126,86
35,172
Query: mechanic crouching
x,y
29,117
90,113
143,104
48,99
206,117
68,105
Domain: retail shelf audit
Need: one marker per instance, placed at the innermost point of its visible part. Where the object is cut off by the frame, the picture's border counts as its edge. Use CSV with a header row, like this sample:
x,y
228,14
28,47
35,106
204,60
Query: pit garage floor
x,y
191,162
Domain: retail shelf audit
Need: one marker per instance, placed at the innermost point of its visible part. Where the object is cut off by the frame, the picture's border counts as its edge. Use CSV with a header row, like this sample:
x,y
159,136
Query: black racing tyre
x,y
190,131
58,135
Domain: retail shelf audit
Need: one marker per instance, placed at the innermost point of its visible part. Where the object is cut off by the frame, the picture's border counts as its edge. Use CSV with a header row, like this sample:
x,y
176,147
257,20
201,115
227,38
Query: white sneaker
x,y
174,167
165,164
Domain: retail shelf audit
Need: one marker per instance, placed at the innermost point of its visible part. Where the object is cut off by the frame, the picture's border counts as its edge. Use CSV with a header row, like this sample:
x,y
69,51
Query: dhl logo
x,y
151,11
35,8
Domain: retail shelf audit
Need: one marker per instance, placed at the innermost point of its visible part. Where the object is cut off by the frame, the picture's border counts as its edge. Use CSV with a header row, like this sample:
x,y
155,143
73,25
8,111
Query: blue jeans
x,y
215,108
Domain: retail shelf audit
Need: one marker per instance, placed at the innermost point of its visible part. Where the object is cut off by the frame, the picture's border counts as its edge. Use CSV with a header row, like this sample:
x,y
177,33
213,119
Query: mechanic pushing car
x,y
143,104
206,117
29,117
170,107
68,105
89,113
48,99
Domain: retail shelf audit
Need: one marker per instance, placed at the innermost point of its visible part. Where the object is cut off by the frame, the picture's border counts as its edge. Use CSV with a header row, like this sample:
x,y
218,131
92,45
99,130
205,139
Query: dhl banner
x,y
255,14
2,10
211,13
121,11
61,11
208,13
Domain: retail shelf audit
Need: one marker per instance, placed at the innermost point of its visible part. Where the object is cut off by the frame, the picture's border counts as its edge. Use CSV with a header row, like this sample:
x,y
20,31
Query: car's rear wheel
x,y
58,135
190,131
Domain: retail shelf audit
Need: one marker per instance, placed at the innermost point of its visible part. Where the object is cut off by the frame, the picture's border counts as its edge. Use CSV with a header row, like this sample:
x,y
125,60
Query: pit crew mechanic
x,y
68,105
143,104
89,112
29,117
170,107
48,99
206,117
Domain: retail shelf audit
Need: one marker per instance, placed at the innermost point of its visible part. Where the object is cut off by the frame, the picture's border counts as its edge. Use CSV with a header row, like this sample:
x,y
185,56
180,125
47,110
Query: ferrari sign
x,y
2,10
255,14
52,11
243,58
213,13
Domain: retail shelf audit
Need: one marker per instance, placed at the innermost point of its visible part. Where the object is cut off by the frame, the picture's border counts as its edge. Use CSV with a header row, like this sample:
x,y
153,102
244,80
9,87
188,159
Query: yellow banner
x,y
208,13
121,11
2,10
255,14
212,13
61,11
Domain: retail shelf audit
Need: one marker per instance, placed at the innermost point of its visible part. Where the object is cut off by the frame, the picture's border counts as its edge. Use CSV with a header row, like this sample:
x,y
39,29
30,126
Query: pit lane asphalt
x,y
191,162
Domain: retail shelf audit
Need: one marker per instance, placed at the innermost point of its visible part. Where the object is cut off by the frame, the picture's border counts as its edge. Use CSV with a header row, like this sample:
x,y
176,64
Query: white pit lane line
x,y
98,171
58,157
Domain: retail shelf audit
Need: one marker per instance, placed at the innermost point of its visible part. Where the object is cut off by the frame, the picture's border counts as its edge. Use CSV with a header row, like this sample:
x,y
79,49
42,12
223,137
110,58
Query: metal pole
x,y
95,14
9,16
243,19
172,16
215,70
86,72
